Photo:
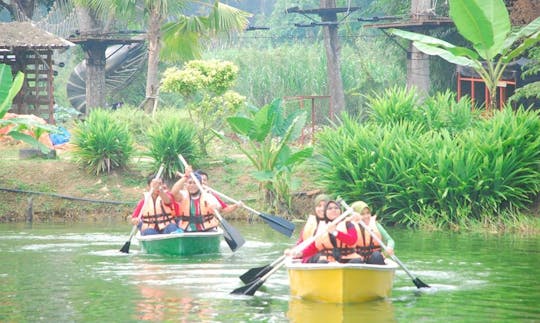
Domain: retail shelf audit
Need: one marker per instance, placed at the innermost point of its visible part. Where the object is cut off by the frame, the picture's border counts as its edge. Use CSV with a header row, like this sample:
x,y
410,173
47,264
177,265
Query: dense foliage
x,y
205,86
265,137
168,138
102,143
435,163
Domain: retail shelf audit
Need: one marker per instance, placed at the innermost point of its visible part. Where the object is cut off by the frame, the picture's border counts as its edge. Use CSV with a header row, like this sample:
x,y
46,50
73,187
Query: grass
x,y
229,174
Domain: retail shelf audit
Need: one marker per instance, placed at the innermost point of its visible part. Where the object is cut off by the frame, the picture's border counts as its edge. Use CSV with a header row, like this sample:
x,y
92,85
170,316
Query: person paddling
x,y
334,245
225,208
367,247
157,210
196,208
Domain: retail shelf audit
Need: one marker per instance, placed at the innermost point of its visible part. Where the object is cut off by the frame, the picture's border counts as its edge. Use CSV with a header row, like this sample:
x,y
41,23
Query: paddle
x,y
280,225
416,280
268,270
258,272
125,247
233,238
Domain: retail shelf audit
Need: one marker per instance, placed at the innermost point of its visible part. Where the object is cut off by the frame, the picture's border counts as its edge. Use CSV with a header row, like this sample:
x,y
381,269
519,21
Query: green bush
x,y
102,143
168,138
443,168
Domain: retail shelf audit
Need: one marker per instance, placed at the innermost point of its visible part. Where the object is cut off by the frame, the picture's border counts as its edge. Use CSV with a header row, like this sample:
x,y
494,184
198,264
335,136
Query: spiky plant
x,y
102,143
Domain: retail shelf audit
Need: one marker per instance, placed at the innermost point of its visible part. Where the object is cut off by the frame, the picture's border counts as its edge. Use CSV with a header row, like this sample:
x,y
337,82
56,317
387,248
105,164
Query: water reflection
x,y
301,311
160,303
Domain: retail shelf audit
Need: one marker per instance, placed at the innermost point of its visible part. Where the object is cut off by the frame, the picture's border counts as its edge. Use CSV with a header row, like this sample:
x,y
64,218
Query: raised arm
x,y
179,185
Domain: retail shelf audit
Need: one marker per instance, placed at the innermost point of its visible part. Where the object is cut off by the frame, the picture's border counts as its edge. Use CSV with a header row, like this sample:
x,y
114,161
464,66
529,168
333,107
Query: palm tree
x,y
171,35
181,37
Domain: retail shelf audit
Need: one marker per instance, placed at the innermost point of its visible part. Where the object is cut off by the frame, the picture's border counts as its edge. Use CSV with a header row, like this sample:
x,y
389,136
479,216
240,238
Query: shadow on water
x,y
302,311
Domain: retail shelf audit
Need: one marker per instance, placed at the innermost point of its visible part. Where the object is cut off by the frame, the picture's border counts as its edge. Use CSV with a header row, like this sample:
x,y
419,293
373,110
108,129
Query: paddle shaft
x,y
158,175
238,240
125,248
281,225
220,218
232,200
303,245
374,236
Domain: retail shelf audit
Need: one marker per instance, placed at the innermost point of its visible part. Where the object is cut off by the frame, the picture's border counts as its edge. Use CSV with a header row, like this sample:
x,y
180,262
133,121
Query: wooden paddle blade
x,y
255,273
125,248
279,224
419,283
249,289
233,238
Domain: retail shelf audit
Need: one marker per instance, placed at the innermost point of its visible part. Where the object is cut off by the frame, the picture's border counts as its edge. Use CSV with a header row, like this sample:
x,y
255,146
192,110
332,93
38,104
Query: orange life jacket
x,y
326,247
204,218
155,214
366,245
310,227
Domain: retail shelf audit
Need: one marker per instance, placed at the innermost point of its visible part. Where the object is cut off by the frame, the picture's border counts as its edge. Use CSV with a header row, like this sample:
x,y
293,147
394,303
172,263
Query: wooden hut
x,y
29,49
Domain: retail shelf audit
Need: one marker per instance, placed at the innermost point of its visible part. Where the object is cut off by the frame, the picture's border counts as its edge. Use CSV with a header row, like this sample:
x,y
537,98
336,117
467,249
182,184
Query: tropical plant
x,y
268,136
169,138
530,90
205,86
102,143
445,169
9,88
486,24
174,36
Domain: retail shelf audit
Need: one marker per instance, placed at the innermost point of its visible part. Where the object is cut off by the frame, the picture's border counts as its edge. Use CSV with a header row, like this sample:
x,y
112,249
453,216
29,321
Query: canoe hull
x,y
341,283
181,244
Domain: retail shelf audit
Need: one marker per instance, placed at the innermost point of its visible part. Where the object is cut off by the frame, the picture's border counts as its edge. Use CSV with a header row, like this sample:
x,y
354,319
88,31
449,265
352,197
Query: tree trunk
x,y
95,75
417,62
95,59
154,47
333,48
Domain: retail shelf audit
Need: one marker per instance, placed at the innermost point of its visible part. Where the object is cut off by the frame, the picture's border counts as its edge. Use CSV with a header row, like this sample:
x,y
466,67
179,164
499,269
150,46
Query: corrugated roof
x,y
26,35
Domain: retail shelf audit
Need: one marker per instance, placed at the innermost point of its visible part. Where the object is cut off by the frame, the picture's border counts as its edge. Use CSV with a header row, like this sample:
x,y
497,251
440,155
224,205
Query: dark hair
x,y
201,173
326,208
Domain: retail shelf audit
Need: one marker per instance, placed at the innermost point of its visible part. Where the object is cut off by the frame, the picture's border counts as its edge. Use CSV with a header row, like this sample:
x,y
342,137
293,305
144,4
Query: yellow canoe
x,y
341,283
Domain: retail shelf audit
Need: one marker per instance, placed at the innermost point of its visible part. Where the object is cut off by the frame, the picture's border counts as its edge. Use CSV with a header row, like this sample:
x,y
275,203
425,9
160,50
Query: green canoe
x,y
181,244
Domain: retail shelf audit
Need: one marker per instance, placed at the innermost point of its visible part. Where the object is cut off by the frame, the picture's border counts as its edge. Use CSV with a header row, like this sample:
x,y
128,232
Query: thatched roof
x,y
24,35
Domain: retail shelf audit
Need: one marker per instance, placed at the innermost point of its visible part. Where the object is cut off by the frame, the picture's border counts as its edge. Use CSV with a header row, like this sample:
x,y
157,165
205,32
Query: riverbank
x,y
45,190
58,190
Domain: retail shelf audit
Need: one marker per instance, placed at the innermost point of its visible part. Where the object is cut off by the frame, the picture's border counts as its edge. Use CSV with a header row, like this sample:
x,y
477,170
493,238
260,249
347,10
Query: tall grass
x,y
268,72
436,164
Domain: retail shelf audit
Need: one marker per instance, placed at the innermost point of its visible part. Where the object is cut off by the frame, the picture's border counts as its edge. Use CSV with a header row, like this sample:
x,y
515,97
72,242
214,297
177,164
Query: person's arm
x,y
166,197
136,212
231,207
386,238
309,251
180,184
349,237
300,237
212,201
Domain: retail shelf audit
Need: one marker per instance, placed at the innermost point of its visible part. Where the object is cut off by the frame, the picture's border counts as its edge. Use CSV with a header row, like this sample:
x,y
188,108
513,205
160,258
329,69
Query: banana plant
x,y
9,87
268,137
486,25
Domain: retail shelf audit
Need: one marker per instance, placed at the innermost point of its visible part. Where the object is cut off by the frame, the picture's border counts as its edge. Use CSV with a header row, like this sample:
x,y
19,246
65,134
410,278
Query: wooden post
x,y
30,210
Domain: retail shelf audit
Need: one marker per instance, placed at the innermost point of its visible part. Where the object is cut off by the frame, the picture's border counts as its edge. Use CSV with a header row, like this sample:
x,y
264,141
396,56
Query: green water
x,y
75,273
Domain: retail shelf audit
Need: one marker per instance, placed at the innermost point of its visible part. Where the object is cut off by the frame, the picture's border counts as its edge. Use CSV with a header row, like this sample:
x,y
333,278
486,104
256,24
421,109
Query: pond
x,y
75,273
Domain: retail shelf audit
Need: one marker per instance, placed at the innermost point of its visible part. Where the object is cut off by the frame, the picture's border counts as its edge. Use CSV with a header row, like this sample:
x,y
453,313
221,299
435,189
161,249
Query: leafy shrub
x,y
102,143
167,139
444,168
